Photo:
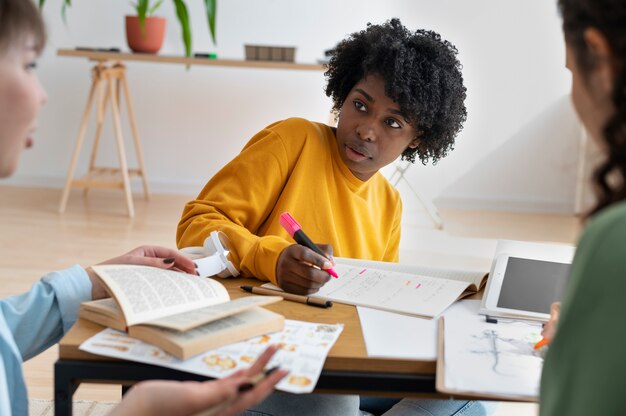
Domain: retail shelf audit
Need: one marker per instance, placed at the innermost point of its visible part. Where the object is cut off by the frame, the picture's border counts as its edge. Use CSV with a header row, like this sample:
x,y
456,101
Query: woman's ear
x,y
602,54
414,143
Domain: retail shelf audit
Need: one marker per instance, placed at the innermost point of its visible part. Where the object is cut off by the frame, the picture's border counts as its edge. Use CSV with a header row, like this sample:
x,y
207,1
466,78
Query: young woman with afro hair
x,y
396,93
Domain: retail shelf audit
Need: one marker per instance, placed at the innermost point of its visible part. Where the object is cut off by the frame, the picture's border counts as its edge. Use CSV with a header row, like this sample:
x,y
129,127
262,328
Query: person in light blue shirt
x,y
33,321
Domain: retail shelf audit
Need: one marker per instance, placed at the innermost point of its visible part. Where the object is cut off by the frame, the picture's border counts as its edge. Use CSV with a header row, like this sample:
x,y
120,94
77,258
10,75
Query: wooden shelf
x,y
140,57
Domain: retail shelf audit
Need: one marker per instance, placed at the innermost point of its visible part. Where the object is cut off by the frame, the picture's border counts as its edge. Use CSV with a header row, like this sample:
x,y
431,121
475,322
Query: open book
x,y
399,288
183,314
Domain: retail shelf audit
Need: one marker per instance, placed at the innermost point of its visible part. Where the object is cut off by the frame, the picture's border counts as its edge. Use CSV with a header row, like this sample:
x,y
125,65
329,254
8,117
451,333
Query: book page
x,y
391,291
104,312
491,359
191,319
304,347
234,328
146,293
471,276
107,307
253,315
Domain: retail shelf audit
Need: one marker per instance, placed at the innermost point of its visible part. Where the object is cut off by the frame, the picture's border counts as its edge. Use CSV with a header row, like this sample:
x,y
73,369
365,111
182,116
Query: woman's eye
x,y
359,106
30,66
393,123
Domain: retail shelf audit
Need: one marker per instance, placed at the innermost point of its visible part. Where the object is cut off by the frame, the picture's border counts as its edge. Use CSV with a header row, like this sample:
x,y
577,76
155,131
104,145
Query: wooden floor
x,y
35,239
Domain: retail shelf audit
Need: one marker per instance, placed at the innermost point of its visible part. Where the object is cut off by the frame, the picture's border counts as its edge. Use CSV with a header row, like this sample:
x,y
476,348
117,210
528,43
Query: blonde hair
x,y
18,20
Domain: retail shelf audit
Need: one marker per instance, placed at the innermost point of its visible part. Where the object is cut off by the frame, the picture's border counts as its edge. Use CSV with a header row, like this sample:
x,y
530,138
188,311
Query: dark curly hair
x,y
609,17
422,75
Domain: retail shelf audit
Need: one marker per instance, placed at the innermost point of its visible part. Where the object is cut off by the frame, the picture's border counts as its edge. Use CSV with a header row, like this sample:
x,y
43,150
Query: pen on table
x,y
244,387
542,343
309,300
295,231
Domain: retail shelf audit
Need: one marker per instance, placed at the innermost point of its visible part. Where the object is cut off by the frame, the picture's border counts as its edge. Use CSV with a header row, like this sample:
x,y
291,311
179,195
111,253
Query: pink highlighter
x,y
295,231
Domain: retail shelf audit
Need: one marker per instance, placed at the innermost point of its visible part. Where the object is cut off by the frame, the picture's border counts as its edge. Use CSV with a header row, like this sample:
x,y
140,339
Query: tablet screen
x,y
533,285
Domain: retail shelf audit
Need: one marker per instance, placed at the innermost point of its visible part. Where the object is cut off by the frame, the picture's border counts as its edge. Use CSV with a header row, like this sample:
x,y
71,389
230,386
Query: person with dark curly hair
x,y
422,76
585,368
395,93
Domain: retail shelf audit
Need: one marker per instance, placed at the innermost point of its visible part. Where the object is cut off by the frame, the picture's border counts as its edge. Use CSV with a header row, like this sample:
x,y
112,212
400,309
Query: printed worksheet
x,y
392,291
303,350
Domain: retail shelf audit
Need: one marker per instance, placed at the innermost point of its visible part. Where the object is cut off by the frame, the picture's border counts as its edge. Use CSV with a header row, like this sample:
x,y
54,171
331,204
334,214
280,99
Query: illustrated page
x,y
303,350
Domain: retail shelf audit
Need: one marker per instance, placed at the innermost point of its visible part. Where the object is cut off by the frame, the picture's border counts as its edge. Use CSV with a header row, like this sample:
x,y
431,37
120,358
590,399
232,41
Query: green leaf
x,y
63,11
211,12
142,7
154,8
183,18
41,3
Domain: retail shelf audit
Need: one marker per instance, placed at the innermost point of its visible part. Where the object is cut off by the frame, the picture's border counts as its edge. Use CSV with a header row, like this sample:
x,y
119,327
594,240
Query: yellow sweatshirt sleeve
x,y
236,201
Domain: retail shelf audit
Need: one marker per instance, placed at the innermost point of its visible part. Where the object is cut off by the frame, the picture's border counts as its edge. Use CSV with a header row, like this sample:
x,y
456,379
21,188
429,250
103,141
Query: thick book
x,y
181,313
400,288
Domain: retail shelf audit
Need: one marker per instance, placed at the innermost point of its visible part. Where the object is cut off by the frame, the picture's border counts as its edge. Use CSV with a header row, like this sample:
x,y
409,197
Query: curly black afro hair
x,y
422,75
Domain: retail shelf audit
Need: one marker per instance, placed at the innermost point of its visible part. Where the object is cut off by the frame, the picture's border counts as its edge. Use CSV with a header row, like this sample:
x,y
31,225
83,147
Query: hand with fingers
x,y
302,271
155,256
549,330
222,397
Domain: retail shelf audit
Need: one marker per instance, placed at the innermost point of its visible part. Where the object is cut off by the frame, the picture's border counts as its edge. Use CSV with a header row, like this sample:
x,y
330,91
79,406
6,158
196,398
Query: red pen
x,y
295,231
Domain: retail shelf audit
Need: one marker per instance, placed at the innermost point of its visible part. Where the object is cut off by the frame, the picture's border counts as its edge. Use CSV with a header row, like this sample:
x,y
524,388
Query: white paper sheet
x,y
303,350
491,358
392,335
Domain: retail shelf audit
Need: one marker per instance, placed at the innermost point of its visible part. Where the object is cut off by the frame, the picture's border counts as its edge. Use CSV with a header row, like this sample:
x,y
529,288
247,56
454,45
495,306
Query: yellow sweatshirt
x,y
293,165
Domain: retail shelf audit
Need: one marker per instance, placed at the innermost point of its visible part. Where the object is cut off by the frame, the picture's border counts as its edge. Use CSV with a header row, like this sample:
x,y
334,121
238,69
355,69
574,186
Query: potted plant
x,y
181,12
145,32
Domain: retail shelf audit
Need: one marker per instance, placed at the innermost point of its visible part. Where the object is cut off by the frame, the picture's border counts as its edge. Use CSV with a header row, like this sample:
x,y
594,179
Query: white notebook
x,y
399,288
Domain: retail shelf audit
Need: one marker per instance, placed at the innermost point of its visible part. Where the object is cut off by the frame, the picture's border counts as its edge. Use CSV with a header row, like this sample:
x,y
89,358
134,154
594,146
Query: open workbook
x,y
399,288
183,314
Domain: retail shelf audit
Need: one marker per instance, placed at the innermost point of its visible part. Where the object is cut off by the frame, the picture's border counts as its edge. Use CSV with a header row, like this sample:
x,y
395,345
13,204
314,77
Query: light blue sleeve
x,y
40,317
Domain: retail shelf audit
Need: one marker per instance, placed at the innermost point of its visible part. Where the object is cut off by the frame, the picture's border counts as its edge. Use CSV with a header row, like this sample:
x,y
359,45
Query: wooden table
x,y
347,369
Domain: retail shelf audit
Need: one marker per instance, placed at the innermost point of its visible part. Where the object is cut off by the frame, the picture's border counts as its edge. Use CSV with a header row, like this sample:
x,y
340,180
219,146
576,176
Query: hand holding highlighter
x,y
295,231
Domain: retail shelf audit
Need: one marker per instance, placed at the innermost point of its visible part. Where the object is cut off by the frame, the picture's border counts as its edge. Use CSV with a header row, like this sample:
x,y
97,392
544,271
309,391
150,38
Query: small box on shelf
x,y
270,53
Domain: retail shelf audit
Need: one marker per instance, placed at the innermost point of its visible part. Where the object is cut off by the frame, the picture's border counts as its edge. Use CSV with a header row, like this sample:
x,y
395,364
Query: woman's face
x,y
372,132
591,93
21,97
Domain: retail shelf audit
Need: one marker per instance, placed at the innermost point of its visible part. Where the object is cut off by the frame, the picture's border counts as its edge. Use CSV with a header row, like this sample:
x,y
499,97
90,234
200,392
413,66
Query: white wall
x,y
193,121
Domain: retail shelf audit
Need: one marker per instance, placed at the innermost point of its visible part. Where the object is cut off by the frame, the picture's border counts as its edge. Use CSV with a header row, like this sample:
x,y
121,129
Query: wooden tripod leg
x,y
133,126
79,144
103,102
115,110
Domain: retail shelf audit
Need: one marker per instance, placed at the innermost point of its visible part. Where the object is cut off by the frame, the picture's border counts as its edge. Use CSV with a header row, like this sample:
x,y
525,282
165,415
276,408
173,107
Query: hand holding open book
x,y
181,313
